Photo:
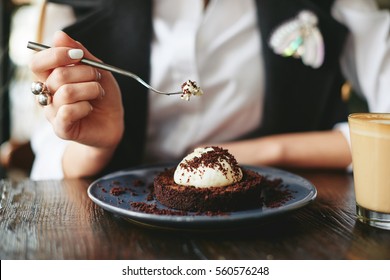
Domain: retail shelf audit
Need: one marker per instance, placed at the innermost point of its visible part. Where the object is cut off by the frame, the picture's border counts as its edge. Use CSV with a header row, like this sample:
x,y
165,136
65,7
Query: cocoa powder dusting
x,y
275,194
214,159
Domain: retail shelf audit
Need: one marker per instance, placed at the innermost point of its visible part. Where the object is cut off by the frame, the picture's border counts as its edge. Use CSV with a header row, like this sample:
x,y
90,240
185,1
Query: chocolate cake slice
x,y
245,194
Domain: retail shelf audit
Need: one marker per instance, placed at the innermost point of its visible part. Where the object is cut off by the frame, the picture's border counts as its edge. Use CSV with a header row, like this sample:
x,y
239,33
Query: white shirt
x,y
221,53
366,58
192,43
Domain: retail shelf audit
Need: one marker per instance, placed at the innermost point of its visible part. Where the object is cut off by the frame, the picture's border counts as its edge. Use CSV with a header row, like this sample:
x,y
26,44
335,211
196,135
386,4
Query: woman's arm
x,y
86,107
325,149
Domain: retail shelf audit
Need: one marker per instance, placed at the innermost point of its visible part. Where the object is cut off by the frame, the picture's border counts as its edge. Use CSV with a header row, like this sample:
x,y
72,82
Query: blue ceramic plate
x,y
122,193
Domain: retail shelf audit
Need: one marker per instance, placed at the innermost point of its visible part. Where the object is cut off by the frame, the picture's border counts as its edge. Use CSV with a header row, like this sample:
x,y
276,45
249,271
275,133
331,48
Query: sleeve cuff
x,y
344,129
48,150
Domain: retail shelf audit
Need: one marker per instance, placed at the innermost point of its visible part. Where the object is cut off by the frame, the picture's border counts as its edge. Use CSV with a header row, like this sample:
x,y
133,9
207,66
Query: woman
x,y
267,109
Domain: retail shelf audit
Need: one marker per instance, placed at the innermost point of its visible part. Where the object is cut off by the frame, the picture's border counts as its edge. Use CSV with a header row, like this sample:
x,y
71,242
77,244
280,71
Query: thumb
x,y
61,39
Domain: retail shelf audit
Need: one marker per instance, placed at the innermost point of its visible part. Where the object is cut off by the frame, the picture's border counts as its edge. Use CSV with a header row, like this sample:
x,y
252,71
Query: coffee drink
x,y
370,143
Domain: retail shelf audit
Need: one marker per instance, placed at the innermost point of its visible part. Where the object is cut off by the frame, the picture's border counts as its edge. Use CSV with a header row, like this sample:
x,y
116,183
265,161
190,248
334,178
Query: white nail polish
x,y
76,53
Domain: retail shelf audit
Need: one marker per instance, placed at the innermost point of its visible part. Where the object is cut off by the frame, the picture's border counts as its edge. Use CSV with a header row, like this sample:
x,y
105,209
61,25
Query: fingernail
x,y
76,53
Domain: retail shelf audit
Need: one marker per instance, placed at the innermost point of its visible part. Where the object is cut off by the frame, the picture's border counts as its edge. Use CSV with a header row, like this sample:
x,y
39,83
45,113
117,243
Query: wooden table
x,y
57,220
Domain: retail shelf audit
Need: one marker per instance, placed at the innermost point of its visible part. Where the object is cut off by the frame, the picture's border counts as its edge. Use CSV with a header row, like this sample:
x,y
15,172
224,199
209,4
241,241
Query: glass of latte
x,y
370,143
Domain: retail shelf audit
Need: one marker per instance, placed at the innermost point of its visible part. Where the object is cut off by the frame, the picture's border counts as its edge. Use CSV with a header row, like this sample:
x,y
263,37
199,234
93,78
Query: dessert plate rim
x,y
303,192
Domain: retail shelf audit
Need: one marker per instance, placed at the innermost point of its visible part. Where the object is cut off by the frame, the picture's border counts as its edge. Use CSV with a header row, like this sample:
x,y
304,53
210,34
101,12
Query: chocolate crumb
x,y
153,209
117,191
275,194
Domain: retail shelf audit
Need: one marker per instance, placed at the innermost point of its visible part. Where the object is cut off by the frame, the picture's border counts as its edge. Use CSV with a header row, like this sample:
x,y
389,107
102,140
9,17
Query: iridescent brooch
x,y
300,38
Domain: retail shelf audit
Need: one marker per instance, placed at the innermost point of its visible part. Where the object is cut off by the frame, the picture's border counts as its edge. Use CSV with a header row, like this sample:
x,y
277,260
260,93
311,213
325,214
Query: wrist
x,y
85,161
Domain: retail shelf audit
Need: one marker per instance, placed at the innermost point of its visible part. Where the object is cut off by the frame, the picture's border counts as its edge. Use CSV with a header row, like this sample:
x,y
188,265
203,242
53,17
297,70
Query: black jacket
x,y
298,97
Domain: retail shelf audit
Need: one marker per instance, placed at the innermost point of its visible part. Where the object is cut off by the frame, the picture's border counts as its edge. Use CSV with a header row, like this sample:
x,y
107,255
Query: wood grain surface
x,y
57,220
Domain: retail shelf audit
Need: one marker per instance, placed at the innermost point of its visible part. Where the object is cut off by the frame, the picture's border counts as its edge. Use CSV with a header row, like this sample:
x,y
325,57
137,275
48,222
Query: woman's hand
x,y
86,106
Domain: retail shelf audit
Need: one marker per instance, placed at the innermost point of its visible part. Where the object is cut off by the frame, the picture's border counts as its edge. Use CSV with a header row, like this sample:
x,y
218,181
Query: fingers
x,y
64,52
76,109
67,81
71,74
73,84
68,122
72,94
44,61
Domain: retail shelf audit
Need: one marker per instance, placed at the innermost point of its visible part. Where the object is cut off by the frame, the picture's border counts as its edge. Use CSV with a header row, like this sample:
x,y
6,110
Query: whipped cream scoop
x,y
190,88
208,167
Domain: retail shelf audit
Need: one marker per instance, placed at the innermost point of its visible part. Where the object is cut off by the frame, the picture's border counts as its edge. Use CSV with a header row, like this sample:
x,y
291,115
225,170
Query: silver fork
x,y
39,47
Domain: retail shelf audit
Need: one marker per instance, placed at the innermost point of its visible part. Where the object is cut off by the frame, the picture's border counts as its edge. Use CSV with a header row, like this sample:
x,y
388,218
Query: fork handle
x,y
40,47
